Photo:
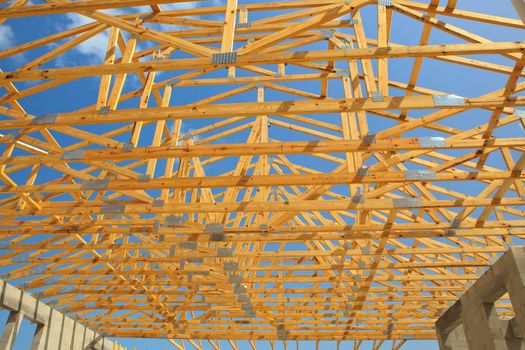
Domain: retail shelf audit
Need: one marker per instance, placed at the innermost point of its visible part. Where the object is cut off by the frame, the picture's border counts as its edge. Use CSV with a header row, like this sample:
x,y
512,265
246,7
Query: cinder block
x,y
28,306
483,329
10,331
98,341
89,337
67,333
55,330
107,344
42,313
10,297
78,336
39,339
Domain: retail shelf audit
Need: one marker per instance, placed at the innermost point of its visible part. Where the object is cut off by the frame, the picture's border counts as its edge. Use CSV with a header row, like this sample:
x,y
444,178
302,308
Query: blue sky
x,y
437,75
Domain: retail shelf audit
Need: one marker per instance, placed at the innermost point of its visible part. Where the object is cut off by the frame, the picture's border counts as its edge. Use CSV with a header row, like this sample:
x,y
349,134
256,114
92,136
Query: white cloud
x,y
76,20
7,37
95,47
179,6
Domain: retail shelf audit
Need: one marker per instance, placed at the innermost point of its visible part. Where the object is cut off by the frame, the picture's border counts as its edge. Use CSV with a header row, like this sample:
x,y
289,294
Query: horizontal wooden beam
x,y
88,5
250,109
273,180
126,207
260,58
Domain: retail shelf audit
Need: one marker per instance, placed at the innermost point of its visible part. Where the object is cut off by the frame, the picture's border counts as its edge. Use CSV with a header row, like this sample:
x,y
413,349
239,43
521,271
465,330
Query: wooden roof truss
x,y
263,209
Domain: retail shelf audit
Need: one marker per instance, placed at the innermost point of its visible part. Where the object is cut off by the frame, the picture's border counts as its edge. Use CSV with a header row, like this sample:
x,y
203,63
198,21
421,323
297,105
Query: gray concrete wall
x,y
54,330
472,322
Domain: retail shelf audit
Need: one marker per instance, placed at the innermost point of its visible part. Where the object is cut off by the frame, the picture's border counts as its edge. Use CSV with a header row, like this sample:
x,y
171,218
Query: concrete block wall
x,y
472,322
54,330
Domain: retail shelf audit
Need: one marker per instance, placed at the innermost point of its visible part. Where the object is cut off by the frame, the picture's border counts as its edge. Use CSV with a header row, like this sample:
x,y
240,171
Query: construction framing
x,y
253,171
53,330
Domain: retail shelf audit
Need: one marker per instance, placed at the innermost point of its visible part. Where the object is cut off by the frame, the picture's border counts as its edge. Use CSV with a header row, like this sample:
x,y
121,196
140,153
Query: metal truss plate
x,y
448,100
214,228
384,2
224,57
95,185
406,202
127,147
283,335
230,266
243,25
157,203
363,171
246,307
103,110
431,142
235,278
72,155
216,232
188,245
175,220
239,289
369,139
217,237
358,199
224,252
343,73
44,119
156,226
420,175
456,223
450,232
113,209
144,178
377,96
328,33
243,298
